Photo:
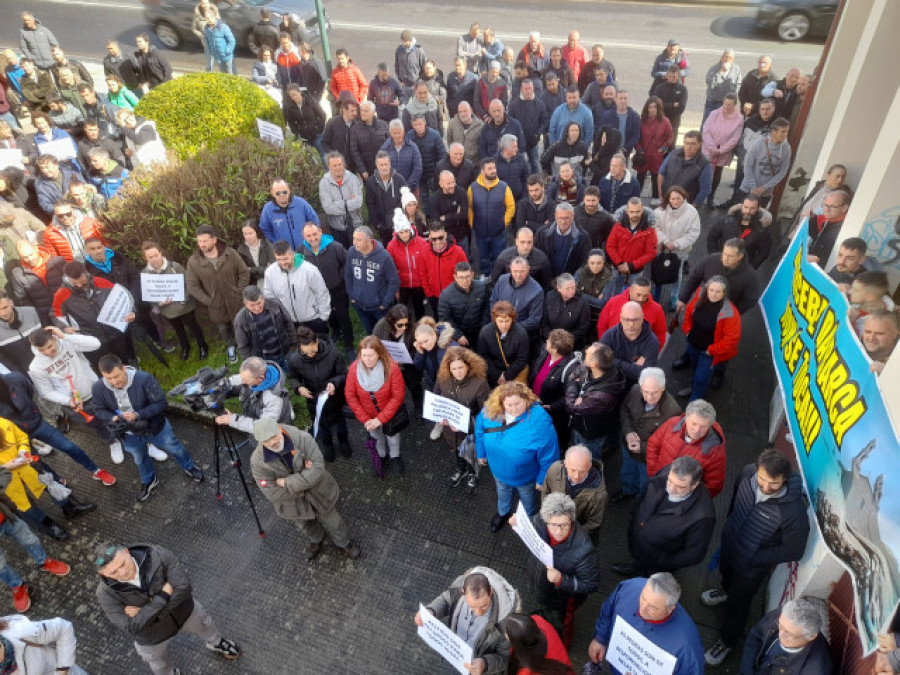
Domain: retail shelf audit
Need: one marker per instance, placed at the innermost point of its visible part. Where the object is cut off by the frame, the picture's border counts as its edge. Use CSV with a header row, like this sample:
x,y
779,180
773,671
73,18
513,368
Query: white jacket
x,y
51,375
42,646
302,291
680,227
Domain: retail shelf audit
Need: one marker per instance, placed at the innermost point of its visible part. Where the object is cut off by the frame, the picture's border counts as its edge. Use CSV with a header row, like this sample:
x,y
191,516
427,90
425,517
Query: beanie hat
x,y
264,429
407,196
406,35
401,222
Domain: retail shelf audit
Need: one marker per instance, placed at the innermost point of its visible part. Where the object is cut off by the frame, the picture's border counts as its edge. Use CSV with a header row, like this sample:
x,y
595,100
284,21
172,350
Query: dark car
x,y
796,19
172,19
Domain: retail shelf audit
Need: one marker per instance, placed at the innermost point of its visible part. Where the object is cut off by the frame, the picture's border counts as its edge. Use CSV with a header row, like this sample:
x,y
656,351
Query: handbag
x,y
523,374
639,161
397,423
665,267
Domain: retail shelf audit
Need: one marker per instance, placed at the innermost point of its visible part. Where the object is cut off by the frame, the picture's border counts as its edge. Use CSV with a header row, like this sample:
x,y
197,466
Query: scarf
x,y
369,380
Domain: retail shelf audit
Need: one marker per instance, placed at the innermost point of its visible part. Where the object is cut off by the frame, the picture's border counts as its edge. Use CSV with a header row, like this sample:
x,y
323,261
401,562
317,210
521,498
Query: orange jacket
x,y
349,79
728,329
55,241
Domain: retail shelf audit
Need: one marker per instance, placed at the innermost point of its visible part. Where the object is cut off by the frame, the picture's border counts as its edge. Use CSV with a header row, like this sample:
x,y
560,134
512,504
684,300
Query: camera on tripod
x,y
206,390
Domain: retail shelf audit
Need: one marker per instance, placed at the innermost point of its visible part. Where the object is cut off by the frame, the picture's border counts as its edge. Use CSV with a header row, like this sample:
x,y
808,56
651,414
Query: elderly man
x,y
512,167
785,92
647,406
673,525
498,125
767,524
694,434
619,187
404,155
341,194
789,639
524,247
283,218
264,328
580,476
650,606
573,111
260,387
145,591
491,210
383,196
366,138
459,166
849,262
523,293
566,245
371,278
574,53
465,128
753,83
632,341
288,467
722,78
473,608
824,229
880,334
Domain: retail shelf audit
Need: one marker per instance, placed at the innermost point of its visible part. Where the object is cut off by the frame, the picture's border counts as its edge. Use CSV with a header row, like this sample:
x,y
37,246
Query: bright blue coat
x,y
522,454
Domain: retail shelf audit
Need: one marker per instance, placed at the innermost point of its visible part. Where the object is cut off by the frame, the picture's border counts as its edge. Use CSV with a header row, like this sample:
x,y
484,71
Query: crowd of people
x,y
489,233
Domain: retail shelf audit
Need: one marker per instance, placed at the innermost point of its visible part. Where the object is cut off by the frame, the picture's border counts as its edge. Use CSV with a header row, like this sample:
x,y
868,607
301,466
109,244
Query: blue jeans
x,y
489,249
10,119
210,59
226,67
702,363
594,445
136,446
54,437
18,530
634,474
369,317
464,245
528,495
533,165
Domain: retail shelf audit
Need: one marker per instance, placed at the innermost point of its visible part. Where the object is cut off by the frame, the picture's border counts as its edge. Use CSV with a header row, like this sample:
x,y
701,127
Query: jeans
x,y
634,473
595,445
10,119
136,446
708,107
16,529
226,67
703,367
489,249
199,623
533,165
528,495
369,317
464,245
226,333
54,437
210,60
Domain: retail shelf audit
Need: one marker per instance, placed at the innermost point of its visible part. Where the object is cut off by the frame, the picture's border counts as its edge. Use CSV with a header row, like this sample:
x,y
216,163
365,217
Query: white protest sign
x,y
11,157
529,535
117,306
398,351
444,641
631,652
62,149
272,133
161,287
438,408
320,405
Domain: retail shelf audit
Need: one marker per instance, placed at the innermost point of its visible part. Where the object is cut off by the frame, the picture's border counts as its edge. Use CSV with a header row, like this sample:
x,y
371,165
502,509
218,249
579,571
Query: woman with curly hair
x,y
514,435
504,345
462,378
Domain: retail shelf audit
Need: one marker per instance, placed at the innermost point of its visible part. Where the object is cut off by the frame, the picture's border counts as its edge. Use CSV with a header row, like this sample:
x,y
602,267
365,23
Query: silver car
x,y
172,19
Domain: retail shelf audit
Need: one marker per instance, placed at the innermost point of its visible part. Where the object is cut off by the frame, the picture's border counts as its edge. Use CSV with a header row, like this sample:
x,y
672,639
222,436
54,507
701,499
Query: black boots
x,y
73,508
54,529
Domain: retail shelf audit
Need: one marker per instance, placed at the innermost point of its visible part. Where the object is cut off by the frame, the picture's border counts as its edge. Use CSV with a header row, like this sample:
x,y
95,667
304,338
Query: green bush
x,y
199,110
221,186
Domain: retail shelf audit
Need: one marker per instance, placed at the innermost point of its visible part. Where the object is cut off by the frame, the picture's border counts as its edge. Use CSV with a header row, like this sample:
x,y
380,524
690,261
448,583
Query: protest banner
x,y
118,305
398,351
631,652
11,157
62,149
272,133
439,408
846,446
320,406
444,641
162,287
523,527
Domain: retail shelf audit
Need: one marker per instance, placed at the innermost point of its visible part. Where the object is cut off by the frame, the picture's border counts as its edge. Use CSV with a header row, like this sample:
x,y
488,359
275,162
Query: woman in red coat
x,y
656,140
375,392
407,250
712,327
535,647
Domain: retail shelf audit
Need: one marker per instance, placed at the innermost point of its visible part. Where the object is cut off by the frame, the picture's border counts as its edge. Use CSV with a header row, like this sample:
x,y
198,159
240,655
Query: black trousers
x,y
741,588
414,298
189,321
339,319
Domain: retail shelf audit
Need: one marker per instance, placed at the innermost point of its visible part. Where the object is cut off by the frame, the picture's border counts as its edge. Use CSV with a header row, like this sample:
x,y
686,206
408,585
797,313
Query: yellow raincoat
x,y
12,441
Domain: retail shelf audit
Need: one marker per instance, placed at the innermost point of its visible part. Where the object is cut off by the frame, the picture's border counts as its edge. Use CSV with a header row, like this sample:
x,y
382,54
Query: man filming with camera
x,y
132,404
260,387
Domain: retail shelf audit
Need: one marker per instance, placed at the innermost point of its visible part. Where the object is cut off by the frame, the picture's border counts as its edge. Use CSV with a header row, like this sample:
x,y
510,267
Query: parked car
x,y
171,19
796,19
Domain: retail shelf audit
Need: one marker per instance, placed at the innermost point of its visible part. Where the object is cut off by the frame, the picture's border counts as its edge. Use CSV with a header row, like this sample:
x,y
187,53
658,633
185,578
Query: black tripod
x,y
225,441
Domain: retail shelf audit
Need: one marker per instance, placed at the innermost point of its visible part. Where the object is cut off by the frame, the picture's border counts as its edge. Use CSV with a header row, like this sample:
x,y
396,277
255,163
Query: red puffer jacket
x,y
55,241
636,249
667,444
389,397
728,329
438,268
408,258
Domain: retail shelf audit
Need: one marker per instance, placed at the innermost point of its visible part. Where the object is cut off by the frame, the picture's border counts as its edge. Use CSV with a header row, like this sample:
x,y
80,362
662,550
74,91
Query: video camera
x,y
207,390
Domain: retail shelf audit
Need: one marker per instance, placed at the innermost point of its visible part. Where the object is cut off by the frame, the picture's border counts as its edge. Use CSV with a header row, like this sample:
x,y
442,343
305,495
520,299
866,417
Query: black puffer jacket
x,y
577,560
515,348
743,283
315,372
573,315
466,312
29,289
600,400
365,142
307,120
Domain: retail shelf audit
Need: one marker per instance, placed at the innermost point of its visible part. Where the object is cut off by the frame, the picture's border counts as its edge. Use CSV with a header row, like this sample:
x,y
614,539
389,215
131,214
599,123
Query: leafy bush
x,y
221,186
201,109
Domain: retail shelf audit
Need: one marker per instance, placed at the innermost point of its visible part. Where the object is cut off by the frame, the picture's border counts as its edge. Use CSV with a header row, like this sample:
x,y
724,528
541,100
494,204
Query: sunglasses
x,y
281,193
65,214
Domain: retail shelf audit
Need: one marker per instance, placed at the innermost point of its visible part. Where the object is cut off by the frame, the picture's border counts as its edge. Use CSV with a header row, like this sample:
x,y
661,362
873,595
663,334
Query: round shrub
x,y
201,109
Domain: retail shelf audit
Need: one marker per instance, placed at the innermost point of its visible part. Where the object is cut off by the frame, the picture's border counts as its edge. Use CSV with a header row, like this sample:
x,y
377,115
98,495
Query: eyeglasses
x,y
559,527
437,238
282,193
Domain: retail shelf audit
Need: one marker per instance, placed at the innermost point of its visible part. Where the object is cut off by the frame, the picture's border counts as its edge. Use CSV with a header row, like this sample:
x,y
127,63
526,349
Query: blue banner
x,y
846,446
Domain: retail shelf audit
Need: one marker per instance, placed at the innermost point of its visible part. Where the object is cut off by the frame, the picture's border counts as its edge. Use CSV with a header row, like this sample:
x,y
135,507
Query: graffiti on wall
x,y
882,237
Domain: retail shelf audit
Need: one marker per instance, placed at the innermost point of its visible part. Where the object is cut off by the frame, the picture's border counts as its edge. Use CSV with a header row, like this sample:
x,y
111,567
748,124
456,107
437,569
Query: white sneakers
x,y
40,447
156,453
436,432
117,452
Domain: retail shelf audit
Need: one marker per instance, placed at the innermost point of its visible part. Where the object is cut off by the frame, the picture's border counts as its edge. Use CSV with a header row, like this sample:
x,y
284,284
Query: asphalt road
x,y
632,32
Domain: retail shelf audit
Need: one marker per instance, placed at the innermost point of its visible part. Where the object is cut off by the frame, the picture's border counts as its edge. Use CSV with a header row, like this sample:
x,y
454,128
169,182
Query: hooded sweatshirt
x,y
55,377
301,290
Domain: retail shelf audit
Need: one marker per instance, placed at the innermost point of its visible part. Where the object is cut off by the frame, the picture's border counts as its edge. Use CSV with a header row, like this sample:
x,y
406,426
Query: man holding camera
x,y
131,402
260,387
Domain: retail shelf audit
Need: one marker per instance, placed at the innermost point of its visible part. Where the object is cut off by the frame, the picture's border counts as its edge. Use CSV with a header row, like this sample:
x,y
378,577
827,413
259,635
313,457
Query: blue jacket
x,y
108,183
527,300
677,635
220,41
287,224
431,150
562,117
626,190
628,351
489,141
47,191
522,454
372,280
146,396
407,161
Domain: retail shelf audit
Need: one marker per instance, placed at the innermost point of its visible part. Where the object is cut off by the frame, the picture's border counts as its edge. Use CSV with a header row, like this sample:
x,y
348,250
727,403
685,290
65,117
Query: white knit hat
x,y
401,222
407,196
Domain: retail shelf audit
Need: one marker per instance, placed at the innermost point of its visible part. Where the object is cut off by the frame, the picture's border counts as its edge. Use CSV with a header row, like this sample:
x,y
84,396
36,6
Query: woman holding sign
x,y
397,326
514,435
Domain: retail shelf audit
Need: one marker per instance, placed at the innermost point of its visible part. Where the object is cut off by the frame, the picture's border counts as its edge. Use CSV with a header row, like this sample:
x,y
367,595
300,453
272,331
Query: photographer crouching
x,y
259,385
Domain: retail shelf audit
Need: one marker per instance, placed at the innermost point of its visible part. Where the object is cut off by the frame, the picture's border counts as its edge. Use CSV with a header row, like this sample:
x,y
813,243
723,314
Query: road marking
x,y
95,3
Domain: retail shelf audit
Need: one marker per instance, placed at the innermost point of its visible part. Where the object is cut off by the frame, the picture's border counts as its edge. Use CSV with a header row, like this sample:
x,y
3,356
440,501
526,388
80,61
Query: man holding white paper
x,y
649,614
473,608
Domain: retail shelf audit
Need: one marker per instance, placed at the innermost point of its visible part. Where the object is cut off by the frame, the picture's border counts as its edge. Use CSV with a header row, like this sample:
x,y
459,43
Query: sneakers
x,y
227,649
156,453
63,423
196,474
21,599
56,567
352,550
147,488
684,393
42,448
313,549
471,483
713,597
456,478
117,452
436,432
104,477
232,355
655,202
717,653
